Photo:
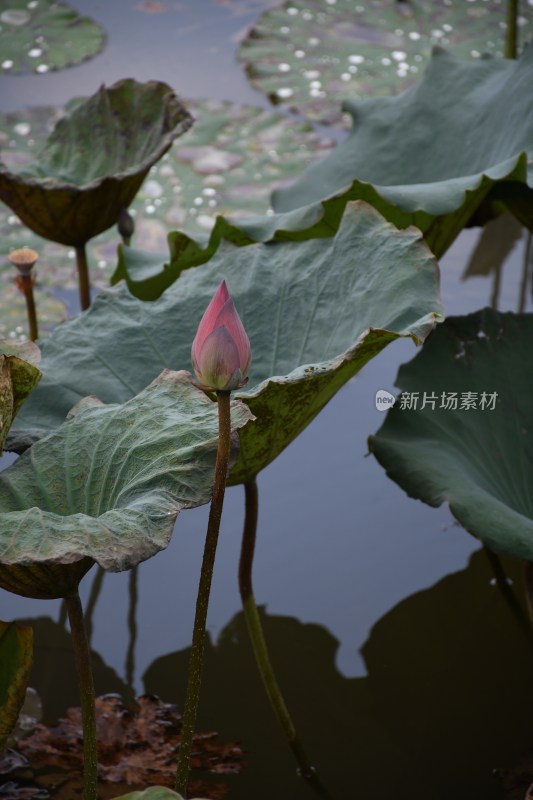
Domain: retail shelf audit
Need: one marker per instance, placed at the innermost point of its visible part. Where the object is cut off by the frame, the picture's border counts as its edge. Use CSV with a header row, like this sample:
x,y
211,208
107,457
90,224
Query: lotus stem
x,y
96,589
508,594
204,589
24,259
88,709
132,625
525,275
496,287
27,287
511,38
528,582
83,277
259,645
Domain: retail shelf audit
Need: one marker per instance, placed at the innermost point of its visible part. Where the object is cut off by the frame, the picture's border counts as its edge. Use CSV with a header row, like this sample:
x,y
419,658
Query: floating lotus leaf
x,y
42,35
94,161
15,665
430,156
311,55
477,459
315,313
227,163
107,486
19,376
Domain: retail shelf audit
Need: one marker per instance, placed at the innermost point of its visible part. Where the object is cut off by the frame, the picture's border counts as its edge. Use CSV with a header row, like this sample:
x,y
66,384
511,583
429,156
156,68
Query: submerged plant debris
x,y
43,35
136,748
311,55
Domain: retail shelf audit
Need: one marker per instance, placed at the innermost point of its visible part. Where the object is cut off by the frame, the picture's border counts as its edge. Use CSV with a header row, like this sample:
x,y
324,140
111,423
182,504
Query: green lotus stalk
x,y
511,38
96,589
522,301
88,710
259,645
221,358
133,591
24,260
528,585
507,593
204,590
83,277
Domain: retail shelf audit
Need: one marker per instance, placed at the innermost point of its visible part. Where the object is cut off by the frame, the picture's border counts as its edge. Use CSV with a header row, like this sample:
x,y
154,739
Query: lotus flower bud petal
x,y
221,349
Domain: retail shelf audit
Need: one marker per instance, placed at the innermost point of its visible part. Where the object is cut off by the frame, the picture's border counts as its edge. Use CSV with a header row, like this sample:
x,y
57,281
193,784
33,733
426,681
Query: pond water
x,y
404,667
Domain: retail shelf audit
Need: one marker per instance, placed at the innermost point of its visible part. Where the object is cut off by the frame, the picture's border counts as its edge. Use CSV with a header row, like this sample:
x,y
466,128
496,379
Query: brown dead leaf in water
x,y
136,747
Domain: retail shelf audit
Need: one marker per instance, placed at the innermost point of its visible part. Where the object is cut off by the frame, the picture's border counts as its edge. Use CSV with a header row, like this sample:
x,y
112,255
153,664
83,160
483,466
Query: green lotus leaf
x,y
310,55
477,459
45,35
431,156
19,376
94,161
108,485
315,313
153,793
16,651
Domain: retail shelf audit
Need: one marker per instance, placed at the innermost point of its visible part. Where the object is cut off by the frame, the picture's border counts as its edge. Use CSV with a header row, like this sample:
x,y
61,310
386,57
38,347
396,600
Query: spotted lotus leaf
x,y
312,55
42,35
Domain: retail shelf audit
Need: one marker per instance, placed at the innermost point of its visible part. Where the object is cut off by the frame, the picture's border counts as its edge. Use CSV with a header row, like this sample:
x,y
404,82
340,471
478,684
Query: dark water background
x,y
407,673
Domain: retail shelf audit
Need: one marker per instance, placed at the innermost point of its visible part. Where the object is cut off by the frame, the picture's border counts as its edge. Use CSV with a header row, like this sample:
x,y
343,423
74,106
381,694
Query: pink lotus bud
x,y
221,349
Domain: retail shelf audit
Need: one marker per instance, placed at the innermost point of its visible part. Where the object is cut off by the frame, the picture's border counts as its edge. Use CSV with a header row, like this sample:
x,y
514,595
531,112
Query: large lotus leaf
x,y
95,160
478,459
315,312
310,54
16,650
430,156
19,376
108,485
41,35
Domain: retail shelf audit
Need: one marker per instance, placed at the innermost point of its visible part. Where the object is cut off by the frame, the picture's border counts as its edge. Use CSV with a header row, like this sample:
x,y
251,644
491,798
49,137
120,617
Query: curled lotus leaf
x,y
94,161
474,452
436,155
107,486
315,312
19,376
